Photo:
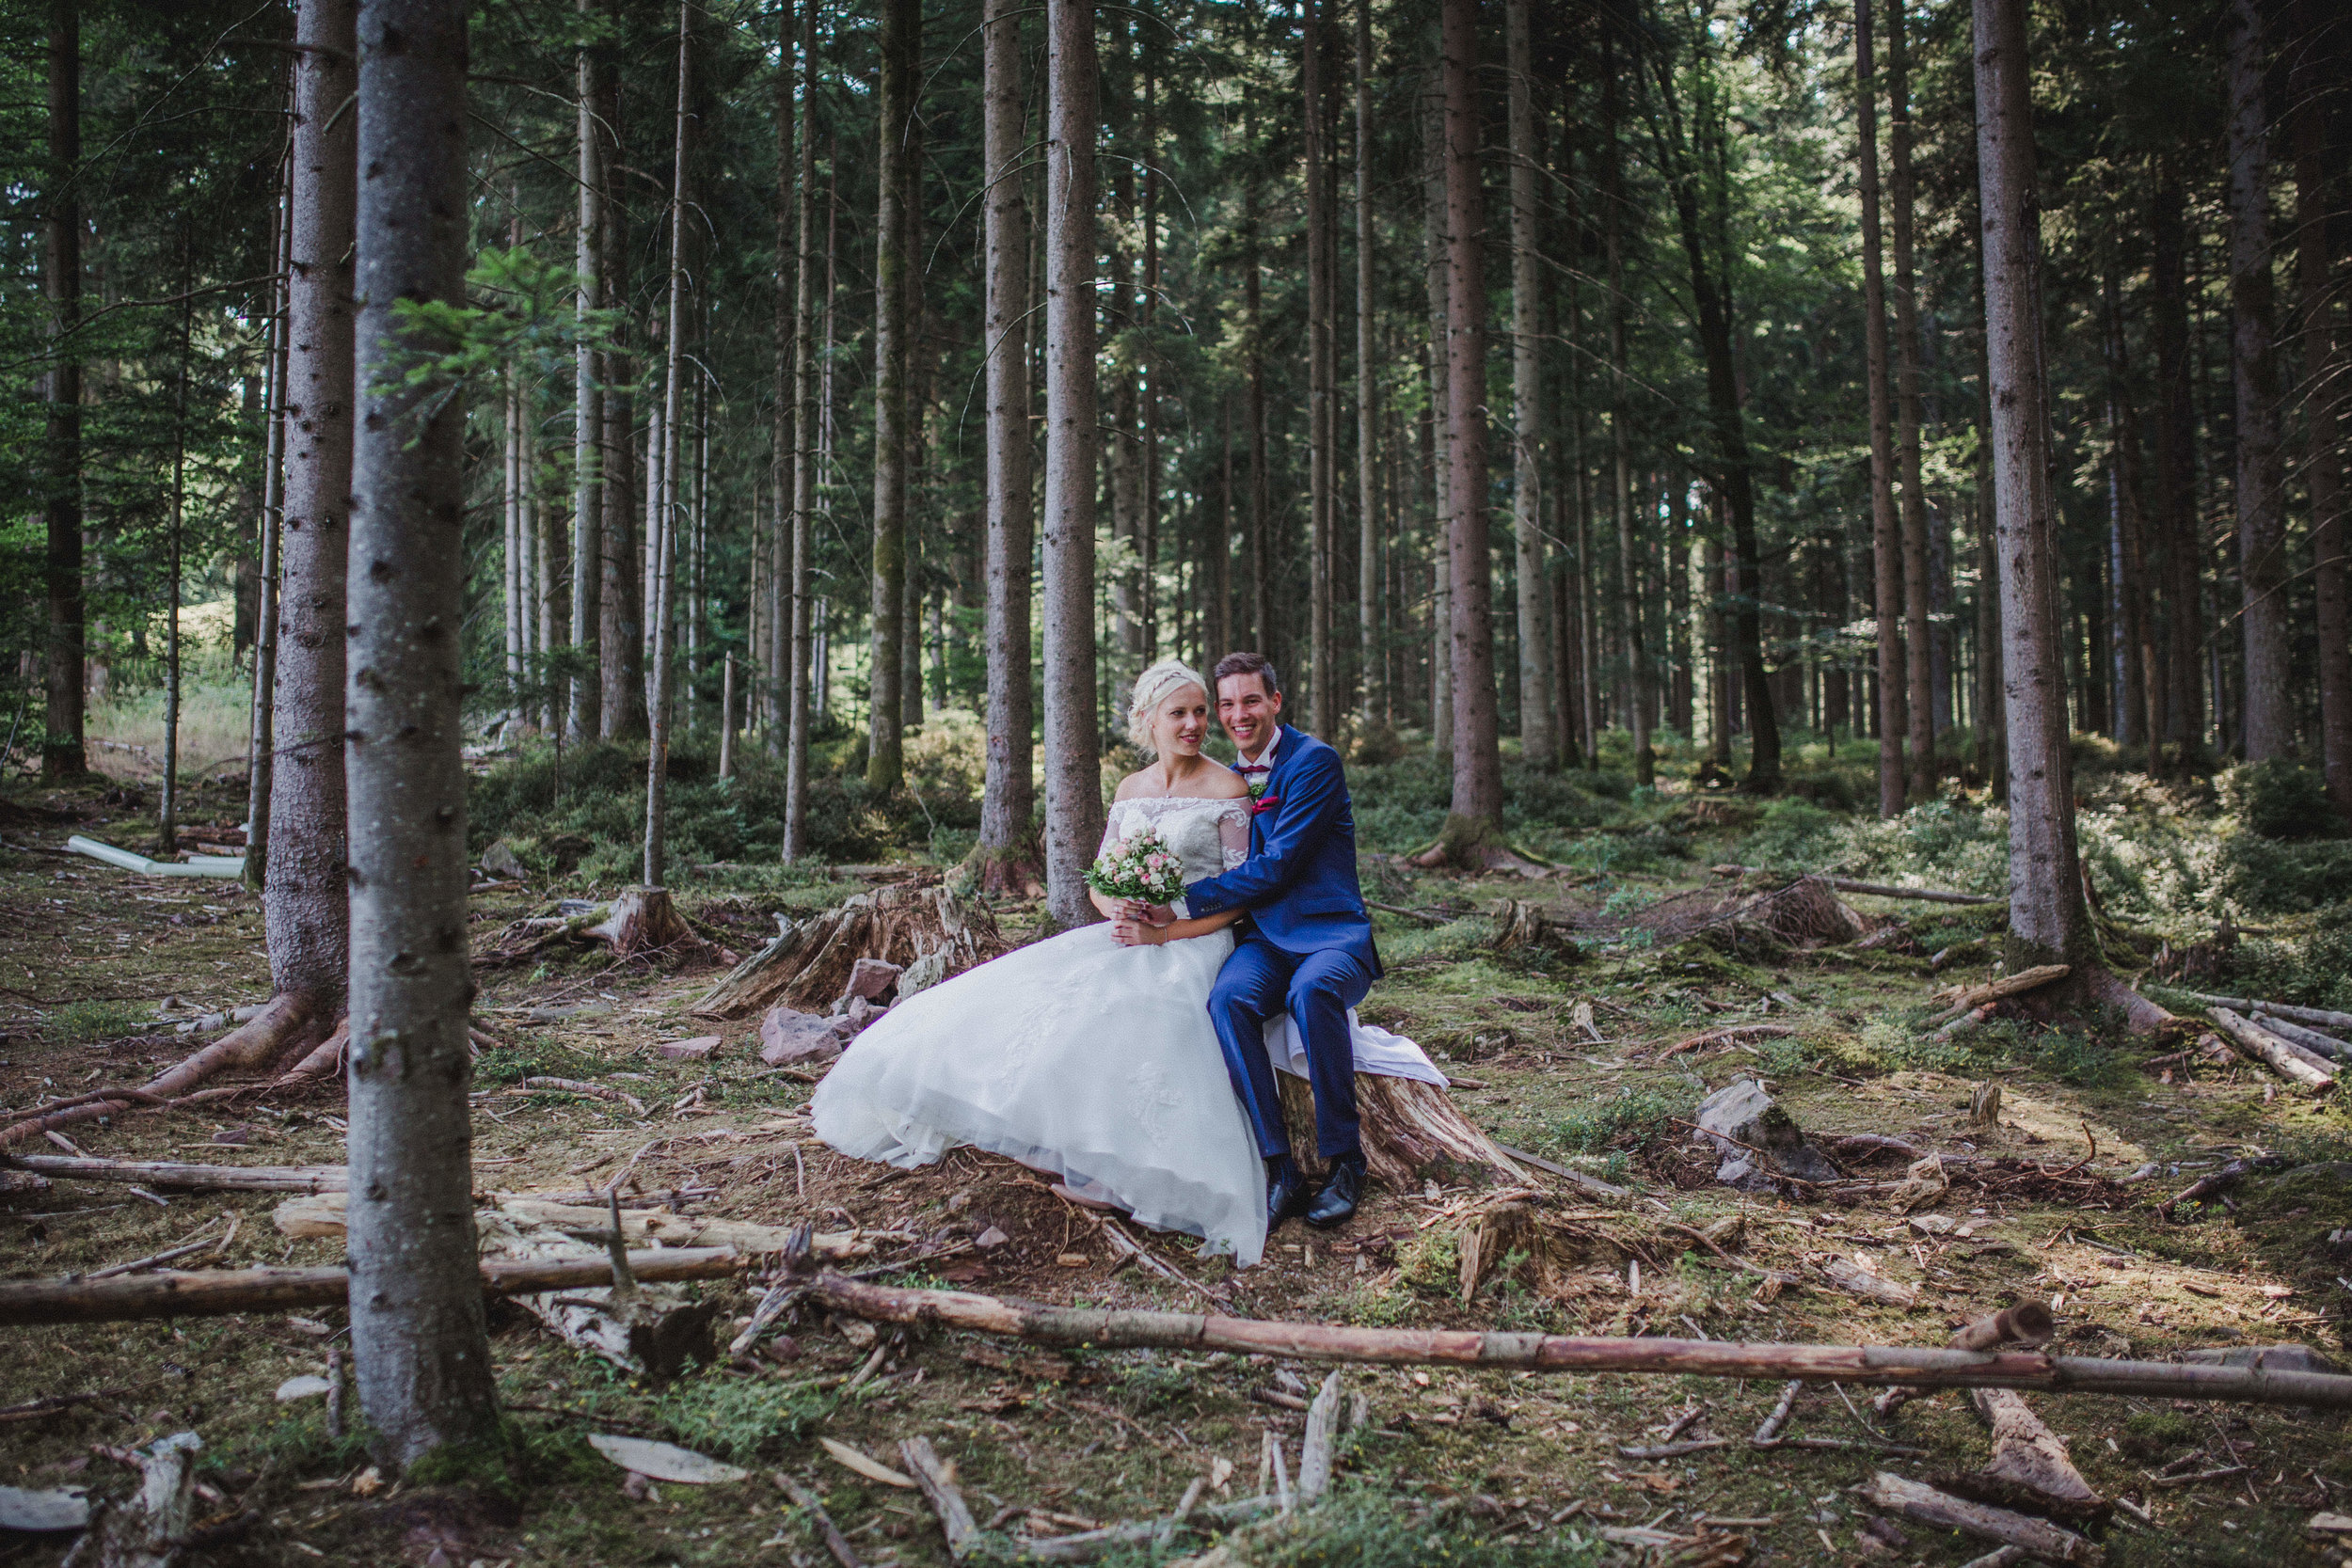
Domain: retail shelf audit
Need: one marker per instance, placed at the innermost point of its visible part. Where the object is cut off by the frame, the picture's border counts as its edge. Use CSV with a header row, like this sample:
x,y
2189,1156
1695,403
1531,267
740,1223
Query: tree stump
x,y
929,932
1523,927
643,919
1412,1133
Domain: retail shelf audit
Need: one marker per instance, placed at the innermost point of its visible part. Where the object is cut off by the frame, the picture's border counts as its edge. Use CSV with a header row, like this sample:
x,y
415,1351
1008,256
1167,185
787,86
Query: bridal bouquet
x,y
1143,868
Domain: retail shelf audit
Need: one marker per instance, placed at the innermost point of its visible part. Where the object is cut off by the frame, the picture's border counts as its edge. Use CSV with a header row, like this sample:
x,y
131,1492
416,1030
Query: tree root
x,y
284,1023
1469,844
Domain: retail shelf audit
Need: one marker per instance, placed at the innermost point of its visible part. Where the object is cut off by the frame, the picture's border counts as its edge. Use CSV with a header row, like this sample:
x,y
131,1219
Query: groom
x,y
1306,947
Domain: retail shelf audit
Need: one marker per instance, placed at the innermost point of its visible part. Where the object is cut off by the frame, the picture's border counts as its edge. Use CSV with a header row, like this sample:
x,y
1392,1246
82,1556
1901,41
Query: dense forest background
x,y
1691,189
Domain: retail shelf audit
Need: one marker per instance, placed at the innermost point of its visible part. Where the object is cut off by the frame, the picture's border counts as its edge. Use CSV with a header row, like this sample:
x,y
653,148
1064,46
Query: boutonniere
x,y
1260,804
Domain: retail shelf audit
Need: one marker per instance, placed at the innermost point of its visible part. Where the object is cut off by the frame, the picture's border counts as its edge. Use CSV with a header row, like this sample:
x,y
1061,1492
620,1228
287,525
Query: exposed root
x,y
1468,844
278,1027
1018,870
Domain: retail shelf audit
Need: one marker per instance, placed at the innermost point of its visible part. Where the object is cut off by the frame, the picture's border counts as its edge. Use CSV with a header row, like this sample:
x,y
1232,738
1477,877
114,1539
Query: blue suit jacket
x,y
1299,882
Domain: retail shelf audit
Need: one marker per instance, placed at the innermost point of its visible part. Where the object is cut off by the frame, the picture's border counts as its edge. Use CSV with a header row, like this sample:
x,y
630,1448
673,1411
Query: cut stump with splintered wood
x,y
1521,926
929,932
1412,1133
2030,1468
644,920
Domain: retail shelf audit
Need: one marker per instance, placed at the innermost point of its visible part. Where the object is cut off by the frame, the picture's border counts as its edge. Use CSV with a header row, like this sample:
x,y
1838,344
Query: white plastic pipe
x,y
218,867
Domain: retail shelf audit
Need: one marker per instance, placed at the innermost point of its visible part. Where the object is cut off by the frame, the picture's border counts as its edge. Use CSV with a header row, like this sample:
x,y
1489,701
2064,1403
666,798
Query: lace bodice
x,y
1210,835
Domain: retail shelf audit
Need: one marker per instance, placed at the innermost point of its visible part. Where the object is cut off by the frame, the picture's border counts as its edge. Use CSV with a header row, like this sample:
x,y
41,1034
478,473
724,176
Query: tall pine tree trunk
x,y
1475,813
770,606
587,411
1073,786
1322,365
1434,229
2261,488
1886,539
1620,419
663,510
1008,803
1259,547
417,1332
2320,186
2142,696
620,629
1537,744
795,624
893,293
262,745
2049,921
1367,411
1918,642
2176,465
62,753
305,894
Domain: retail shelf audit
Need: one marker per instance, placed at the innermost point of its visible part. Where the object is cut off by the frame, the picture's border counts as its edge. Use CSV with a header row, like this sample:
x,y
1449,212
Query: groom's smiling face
x,y
1248,711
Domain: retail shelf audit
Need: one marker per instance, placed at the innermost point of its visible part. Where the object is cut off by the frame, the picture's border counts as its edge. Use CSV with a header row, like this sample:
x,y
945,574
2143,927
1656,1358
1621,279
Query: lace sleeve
x,y
1110,829
1232,833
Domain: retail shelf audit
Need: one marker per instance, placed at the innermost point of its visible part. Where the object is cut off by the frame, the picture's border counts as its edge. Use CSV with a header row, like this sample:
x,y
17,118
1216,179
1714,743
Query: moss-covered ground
x,y
1567,1056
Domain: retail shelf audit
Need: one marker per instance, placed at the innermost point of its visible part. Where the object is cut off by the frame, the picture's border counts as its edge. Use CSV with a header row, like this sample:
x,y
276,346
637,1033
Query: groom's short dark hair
x,y
1251,664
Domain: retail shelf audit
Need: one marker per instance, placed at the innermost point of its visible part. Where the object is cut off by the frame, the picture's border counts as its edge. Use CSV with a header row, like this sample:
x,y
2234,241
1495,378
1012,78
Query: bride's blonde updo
x,y
1152,686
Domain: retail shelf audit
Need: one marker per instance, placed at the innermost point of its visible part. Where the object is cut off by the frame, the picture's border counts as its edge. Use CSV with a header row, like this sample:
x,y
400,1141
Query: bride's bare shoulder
x,y
1223,784
1135,783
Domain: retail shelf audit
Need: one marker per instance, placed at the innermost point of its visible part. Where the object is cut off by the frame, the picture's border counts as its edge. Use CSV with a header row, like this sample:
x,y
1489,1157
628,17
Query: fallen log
x,y
2318,1018
2310,1039
214,1292
2002,988
1876,890
2037,1538
2279,1056
202,1179
1872,1365
937,1478
321,1215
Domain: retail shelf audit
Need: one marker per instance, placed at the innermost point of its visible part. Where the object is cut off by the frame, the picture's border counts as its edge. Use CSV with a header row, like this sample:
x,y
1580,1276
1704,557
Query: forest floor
x,y
1571,1058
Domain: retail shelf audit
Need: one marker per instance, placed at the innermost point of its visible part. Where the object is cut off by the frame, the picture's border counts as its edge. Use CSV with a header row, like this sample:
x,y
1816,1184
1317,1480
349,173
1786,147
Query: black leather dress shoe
x,y
1336,1204
1287,1193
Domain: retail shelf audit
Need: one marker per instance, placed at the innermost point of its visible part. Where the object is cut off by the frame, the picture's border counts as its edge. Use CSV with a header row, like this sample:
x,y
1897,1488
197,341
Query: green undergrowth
x,y
1366,1526
740,1418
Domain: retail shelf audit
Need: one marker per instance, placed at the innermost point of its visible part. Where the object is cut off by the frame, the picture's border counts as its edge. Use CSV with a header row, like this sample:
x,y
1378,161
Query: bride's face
x,y
1182,723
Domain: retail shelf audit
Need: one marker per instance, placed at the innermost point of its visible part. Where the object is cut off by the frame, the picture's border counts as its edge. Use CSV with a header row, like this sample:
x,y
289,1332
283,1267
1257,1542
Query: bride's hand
x,y
1138,933
1149,914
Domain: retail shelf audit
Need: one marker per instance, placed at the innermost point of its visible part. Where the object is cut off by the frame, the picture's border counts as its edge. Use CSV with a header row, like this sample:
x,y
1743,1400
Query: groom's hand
x,y
1146,914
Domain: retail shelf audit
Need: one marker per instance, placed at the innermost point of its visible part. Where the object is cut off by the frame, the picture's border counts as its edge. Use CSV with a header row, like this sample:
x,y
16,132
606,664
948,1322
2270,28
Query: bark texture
x,y
2261,488
1073,785
2049,921
62,755
1477,802
417,1329
1918,647
1009,799
2320,186
587,410
1886,542
797,625
305,895
1537,743
894,300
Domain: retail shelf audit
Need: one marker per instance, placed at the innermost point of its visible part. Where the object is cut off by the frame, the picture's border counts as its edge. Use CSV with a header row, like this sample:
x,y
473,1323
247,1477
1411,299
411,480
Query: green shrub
x,y
1794,834
2263,875
727,1414
2280,799
77,1022
1634,1119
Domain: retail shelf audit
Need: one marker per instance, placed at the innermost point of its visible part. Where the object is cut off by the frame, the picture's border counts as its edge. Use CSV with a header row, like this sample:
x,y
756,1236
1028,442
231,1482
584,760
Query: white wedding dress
x,y
1075,1054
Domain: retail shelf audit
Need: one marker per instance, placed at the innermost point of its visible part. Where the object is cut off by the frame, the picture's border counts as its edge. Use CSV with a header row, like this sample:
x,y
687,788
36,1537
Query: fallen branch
x,y
2034,1537
1736,1033
938,1481
2214,1183
215,1293
1314,1450
166,1173
591,1091
1592,1185
1872,1365
2279,1056
809,1503
2002,988
1876,890
2030,1463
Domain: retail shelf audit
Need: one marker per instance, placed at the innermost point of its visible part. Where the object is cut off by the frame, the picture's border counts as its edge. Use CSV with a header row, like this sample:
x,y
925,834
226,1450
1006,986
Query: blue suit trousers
x,y
1316,989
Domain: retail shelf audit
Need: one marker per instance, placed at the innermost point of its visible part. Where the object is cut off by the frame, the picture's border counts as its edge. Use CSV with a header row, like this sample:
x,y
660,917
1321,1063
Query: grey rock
x,y
924,972
871,978
991,1239
862,1014
788,1037
501,861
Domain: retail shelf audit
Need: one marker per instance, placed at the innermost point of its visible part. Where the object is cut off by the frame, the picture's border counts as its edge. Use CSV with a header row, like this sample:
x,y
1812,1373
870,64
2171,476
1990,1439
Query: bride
x,y
1091,1053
